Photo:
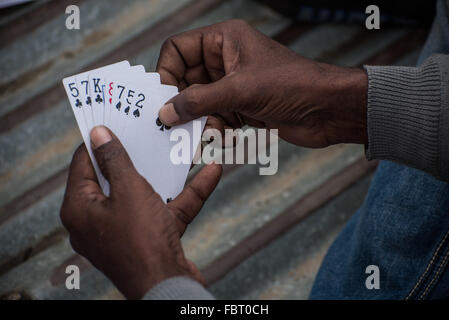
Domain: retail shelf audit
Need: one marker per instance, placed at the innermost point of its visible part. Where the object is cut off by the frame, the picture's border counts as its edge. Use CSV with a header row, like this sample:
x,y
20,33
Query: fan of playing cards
x,y
127,99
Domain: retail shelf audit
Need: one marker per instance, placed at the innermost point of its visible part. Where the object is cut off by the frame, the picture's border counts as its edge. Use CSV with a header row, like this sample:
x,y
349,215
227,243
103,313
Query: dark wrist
x,y
136,284
347,105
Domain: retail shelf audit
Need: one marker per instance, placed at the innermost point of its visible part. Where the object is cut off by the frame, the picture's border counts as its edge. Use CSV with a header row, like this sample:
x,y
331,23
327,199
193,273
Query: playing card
x,y
94,117
166,177
181,169
123,96
98,90
127,100
134,72
77,89
151,157
74,95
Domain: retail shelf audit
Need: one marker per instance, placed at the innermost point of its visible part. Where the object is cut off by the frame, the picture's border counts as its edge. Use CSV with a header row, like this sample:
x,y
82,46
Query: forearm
x,y
408,115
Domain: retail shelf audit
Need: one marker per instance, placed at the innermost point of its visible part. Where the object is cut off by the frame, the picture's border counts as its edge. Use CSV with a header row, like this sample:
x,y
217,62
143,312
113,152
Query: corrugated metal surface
x,y
258,236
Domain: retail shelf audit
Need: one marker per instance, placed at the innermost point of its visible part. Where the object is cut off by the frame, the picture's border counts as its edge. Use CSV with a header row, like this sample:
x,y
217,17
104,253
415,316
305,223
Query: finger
x,y
252,122
177,54
82,190
113,160
81,172
213,122
194,55
189,202
199,100
170,65
231,119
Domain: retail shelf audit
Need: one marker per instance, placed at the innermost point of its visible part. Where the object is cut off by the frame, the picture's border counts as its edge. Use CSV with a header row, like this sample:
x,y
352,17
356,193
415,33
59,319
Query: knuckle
x,y
182,215
111,154
166,44
198,194
169,43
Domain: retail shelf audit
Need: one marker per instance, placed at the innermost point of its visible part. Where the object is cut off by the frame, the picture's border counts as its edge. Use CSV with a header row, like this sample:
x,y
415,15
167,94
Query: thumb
x,y
190,201
198,100
111,156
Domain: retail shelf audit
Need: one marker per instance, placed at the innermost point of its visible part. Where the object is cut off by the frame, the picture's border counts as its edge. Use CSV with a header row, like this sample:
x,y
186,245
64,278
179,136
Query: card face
x,y
152,157
83,86
181,168
133,72
76,102
124,95
95,116
96,93
127,100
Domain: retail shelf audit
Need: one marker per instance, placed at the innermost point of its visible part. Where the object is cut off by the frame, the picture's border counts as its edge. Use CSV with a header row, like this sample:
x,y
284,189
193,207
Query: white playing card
x,y
146,144
142,89
123,96
83,80
194,129
74,93
127,100
77,88
148,141
181,170
99,93
83,86
134,72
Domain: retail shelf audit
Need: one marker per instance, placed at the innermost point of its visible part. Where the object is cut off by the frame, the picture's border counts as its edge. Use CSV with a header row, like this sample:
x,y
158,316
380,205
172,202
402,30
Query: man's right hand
x,y
240,76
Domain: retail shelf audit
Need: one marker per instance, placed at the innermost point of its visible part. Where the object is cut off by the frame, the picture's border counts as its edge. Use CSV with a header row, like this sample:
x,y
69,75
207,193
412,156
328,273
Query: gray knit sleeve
x,y
408,115
178,288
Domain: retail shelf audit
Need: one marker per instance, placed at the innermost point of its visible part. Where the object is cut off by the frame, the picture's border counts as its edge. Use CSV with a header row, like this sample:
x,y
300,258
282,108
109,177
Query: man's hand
x,y
240,76
132,236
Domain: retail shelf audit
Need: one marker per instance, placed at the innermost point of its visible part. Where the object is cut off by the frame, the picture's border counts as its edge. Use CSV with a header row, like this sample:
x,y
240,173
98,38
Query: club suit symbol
x,y
161,125
118,105
136,113
78,103
98,99
89,101
127,110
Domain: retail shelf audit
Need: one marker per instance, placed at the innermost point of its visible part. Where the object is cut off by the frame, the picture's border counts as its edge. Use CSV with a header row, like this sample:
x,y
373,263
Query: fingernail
x,y
168,115
99,136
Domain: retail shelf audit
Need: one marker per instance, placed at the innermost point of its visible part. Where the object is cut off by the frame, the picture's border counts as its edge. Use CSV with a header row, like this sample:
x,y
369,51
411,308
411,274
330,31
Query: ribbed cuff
x,y
408,115
178,288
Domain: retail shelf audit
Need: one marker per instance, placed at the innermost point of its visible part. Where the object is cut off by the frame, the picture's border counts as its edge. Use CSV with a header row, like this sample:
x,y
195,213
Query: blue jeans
x,y
402,228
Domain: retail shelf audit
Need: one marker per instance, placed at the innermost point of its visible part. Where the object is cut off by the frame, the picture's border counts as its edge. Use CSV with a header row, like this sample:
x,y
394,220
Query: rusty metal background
x,y
258,236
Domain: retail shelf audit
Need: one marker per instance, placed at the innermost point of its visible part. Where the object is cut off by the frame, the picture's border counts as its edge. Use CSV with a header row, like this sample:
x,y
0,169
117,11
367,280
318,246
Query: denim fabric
x,y
402,227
